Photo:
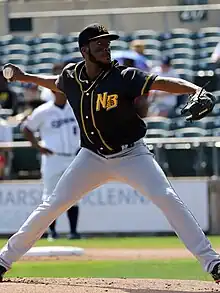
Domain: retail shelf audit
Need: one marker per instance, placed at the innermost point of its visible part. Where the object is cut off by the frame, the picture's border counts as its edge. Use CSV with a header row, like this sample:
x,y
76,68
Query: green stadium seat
x,y
20,49
190,132
216,110
11,39
208,32
155,133
70,48
158,123
182,33
145,35
152,44
47,48
70,38
119,45
48,38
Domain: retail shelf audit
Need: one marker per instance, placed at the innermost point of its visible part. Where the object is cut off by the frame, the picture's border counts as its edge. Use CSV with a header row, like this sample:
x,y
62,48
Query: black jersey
x,y
104,107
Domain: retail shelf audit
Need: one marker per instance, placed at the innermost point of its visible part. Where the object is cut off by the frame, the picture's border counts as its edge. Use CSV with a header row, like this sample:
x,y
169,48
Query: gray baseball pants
x,y
135,166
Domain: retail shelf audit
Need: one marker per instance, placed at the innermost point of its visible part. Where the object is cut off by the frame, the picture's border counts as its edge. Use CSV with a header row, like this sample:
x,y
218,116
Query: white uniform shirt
x,y
58,131
47,95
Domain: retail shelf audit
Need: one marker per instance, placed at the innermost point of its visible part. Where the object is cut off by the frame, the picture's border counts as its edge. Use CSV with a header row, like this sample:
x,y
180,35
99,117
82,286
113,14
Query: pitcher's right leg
x,y
86,172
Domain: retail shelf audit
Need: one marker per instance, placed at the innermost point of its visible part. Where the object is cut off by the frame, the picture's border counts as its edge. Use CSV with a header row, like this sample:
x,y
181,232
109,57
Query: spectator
x,y
162,103
5,136
141,62
54,120
8,99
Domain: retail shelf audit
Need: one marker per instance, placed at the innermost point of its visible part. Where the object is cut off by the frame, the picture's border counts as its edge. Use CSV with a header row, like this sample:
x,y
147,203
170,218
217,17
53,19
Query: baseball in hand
x,y
8,72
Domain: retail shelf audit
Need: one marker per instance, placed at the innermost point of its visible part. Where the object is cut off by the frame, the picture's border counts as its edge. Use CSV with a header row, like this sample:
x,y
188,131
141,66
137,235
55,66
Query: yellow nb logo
x,y
106,101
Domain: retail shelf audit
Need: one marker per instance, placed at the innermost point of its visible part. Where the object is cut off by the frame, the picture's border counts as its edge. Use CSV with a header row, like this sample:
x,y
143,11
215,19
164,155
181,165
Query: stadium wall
x,y
127,23
111,208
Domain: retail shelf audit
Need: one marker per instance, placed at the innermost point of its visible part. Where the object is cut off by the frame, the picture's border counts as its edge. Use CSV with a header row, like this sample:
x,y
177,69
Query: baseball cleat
x,y
52,236
216,273
73,236
2,272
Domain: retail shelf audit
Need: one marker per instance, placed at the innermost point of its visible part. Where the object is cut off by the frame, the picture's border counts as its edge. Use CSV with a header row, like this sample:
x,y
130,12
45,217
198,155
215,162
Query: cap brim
x,y
112,37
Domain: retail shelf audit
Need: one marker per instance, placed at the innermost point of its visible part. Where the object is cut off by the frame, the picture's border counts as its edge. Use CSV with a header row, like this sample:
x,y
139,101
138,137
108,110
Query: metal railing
x,y
159,145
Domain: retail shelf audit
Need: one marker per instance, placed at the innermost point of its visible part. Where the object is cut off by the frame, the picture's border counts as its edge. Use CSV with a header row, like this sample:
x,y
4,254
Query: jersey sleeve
x,y
61,80
137,82
34,121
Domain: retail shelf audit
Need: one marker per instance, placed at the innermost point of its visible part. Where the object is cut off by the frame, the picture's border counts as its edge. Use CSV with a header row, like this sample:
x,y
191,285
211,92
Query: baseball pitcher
x,y
108,100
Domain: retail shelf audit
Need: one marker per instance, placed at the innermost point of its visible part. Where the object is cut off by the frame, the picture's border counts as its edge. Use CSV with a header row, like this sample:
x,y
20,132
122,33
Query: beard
x,y
102,65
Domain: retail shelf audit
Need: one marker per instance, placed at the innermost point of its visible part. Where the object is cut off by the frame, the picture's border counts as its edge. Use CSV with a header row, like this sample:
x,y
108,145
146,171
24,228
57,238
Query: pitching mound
x,y
70,285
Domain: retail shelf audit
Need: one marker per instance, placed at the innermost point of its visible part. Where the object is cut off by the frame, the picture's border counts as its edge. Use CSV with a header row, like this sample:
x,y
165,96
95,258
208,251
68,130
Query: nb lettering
x,y
106,101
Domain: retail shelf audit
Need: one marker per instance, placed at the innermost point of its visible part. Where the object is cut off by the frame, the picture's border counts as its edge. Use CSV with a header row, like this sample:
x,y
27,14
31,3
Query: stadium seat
x,y
178,43
182,53
217,95
185,73
216,110
11,39
70,38
176,34
70,48
197,123
182,63
151,44
21,49
153,55
182,33
203,52
119,45
158,123
145,35
210,123
51,57
73,57
42,68
208,32
190,132
47,48
210,42
181,123
155,133
48,38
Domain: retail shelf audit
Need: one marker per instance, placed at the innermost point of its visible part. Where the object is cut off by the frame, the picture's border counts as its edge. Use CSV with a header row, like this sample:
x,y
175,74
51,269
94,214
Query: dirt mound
x,y
92,285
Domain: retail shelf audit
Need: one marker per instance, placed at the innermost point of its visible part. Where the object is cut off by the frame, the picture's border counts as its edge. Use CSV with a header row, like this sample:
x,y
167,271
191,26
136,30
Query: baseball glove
x,y
199,105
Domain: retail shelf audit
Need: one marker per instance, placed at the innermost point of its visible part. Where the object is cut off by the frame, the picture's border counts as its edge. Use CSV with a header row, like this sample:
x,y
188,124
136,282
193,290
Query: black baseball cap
x,y
93,32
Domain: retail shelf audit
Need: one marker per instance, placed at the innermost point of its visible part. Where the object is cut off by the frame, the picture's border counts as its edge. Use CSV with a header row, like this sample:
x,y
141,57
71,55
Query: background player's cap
x,y
92,32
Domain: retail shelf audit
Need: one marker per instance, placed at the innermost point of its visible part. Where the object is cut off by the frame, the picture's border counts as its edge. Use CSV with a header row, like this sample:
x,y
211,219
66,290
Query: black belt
x,y
115,150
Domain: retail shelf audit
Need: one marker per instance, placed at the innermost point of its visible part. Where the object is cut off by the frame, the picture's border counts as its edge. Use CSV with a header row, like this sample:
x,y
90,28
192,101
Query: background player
x,y
100,93
60,137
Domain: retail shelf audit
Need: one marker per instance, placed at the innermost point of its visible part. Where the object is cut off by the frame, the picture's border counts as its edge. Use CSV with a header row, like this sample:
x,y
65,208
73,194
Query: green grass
x,y
121,242
175,269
